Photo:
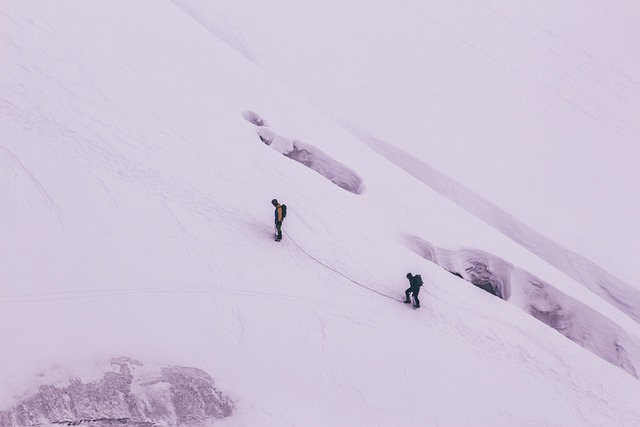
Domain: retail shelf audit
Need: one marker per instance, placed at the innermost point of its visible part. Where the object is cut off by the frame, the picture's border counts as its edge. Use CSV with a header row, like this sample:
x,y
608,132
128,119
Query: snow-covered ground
x,y
533,105
142,142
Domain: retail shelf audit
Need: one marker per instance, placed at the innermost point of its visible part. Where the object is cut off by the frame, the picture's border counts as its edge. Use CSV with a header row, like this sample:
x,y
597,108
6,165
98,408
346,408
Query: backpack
x,y
417,280
284,211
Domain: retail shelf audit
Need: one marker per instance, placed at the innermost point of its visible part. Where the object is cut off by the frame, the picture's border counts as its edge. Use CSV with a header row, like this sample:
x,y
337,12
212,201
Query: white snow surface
x,y
534,105
496,141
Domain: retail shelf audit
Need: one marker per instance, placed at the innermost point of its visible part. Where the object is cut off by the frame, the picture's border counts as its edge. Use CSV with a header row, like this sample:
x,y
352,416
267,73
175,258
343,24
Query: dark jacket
x,y
415,282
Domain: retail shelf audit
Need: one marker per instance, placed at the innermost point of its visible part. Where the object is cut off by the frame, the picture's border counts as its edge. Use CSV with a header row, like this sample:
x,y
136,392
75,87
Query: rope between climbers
x,y
336,271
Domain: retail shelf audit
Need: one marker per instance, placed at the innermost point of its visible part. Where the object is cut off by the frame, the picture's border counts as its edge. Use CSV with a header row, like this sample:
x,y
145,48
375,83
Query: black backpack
x,y
417,281
284,211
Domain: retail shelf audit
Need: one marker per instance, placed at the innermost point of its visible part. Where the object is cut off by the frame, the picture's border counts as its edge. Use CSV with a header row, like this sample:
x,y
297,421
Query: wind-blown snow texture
x,y
142,142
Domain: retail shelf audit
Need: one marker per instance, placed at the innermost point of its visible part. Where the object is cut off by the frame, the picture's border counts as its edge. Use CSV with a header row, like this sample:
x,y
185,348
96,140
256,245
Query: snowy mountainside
x,y
136,221
498,96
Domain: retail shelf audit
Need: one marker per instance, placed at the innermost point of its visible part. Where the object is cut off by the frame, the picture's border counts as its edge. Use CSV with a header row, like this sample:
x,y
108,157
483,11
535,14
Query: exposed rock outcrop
x,y
130,395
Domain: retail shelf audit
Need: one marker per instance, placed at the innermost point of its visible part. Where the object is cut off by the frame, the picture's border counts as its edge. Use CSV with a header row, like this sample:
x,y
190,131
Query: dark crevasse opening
x,y
570,317
313,158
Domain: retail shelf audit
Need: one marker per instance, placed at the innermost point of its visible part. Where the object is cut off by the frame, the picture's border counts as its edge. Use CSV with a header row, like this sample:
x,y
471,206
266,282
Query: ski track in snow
x,y
79,295
208,290
13,163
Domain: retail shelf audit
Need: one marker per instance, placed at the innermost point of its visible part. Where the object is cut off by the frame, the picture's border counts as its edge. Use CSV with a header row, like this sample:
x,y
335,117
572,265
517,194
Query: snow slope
x,y
531,105
136,222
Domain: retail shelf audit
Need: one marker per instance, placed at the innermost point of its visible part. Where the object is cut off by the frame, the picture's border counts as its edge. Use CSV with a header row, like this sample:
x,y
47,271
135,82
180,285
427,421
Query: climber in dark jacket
x,y
278,219
415,282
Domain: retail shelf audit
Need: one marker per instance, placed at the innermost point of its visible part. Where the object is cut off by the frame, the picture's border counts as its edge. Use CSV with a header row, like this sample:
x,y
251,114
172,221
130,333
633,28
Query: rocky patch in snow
x,y
254,118
129,394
